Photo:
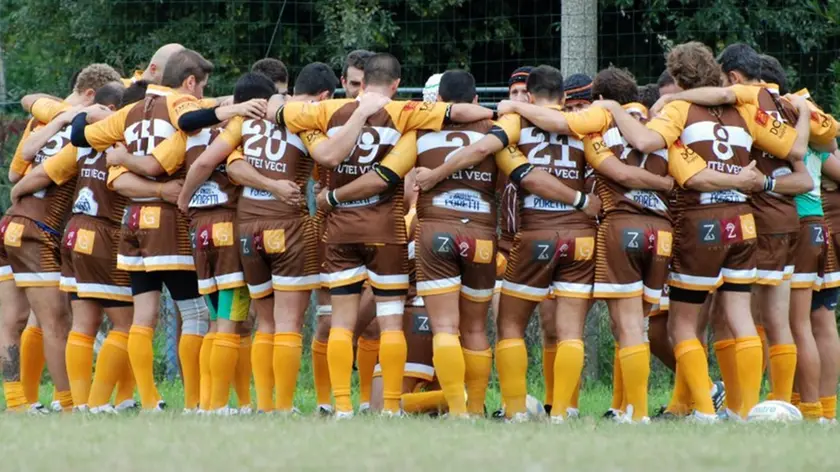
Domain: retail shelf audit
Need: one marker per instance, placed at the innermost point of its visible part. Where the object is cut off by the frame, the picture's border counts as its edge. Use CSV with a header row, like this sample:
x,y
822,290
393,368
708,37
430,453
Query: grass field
x,y
170,441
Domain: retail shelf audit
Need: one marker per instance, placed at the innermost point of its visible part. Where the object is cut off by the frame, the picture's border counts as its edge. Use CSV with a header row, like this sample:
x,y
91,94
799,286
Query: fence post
x,y
169,320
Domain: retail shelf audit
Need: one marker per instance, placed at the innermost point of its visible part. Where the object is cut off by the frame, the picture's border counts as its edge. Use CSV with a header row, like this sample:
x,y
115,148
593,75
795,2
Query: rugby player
x,y
275,70
353,252
716,243
354,72
153,73
32,235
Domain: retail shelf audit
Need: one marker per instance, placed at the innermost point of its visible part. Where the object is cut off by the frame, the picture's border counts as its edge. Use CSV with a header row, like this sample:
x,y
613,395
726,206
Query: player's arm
x,y
831,167
28,101
39,138
244,173
201,170
57,170
18,166
98,127
705,96
522,173
777,138
386,175
167,157
195,120
334,150
660,133
544,118
133,186
464,158
797,182
602,159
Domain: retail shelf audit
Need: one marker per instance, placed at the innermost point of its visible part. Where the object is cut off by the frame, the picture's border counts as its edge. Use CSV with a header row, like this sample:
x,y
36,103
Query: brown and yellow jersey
x,y
466,194
717,138
377,219
614,196
275,153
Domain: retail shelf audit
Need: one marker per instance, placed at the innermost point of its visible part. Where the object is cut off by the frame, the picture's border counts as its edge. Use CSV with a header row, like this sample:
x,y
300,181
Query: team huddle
x,y
703,201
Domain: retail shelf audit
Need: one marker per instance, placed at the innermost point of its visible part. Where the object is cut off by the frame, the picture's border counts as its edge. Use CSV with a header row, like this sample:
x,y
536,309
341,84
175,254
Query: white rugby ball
x,y
535,407
773,410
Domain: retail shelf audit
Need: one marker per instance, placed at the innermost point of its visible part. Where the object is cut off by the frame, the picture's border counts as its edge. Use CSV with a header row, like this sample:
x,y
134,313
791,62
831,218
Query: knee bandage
x,y
195,316
395,308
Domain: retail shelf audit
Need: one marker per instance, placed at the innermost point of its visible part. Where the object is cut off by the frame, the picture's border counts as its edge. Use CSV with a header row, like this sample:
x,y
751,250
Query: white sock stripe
x,y
393,308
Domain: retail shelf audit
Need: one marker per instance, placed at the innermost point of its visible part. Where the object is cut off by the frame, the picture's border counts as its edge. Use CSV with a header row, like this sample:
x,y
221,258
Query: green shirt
x,y
810,203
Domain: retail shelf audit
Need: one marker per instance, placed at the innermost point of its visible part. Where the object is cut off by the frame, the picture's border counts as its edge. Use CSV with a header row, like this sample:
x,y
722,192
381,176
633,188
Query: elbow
x,y
648,144
798,152
14,177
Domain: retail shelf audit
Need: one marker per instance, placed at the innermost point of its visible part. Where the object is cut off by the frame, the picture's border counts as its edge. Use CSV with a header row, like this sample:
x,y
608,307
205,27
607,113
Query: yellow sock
x,y
635,371
829,407
79,359
393,352
762,334
223,359
549,354
782,371
512,367
618,382
126,383
15,399
795,400
321,373
691,359
262,361
367,354
477,365
65,399
811,411
32,361
340,363
206,382
748,352
189,353
725,352
288,348
451,371
141,355
111,363
242,377
567,369
423,402
576,396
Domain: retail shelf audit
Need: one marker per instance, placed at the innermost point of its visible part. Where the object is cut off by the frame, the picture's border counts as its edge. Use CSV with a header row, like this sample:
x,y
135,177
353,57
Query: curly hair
x,y
95,76
616,84
693,65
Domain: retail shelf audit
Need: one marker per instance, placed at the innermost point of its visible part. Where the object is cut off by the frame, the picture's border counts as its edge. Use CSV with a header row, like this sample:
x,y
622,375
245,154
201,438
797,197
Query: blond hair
x,y
95,76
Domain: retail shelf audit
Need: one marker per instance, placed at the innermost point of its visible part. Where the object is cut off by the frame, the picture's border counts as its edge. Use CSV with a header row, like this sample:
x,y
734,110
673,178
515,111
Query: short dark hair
x,y
316,78
546,82
252,85
649,95
742,58
616,84
665,79
382,69
183,64
134,93
272,68
772,72
110,94
457,86
73,79
356,59
693,65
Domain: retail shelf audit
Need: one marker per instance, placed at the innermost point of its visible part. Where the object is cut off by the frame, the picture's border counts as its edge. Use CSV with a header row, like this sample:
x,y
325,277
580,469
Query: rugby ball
x,y
534,407
773,410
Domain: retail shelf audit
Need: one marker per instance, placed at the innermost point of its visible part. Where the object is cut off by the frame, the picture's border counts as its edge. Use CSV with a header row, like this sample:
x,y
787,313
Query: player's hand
x,y
287,192
506,107
608,105
747,178
370,103
322,202
425,179
593,208
225,101
183,201
117,155
660,104
15,195
97,113
67,116
316,189
170,191
254,108
800,102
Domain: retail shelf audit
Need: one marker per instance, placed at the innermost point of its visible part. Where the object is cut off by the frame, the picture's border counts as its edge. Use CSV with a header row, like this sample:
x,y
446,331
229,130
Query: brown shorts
x,y
418,337
634,252
713,246
452,257
664,303
89,260
385,266
155,237
33,251
321,248
5,265
812,254
216,251
278,255
775,257
558,261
